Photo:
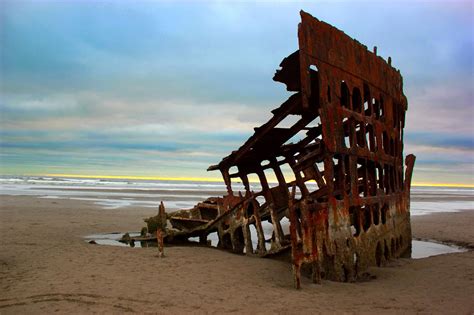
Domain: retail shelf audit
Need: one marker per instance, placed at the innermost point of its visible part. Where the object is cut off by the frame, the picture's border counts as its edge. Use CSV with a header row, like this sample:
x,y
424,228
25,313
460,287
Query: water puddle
x,y
420,249
423,249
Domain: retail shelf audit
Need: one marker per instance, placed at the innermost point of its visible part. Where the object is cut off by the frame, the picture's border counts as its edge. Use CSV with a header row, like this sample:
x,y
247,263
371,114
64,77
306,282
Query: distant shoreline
x,y
195,179
114,194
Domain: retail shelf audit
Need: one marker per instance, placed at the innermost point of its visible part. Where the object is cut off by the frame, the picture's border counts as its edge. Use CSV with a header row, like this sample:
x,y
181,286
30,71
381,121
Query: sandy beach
x,y
46,267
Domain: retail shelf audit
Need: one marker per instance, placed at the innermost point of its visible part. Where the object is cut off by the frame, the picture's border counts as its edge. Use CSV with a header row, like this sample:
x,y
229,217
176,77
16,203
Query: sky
x,y
167,88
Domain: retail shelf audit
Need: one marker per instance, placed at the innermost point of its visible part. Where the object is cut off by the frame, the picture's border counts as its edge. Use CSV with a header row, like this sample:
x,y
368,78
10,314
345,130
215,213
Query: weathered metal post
x,y
160,229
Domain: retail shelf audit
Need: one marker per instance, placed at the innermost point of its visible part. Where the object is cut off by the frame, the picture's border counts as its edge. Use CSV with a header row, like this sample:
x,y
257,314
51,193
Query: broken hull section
x,y
330,161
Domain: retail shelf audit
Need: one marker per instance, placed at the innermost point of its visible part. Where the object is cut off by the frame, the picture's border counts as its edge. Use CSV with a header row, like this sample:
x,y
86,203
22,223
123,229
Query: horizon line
x,y
212,179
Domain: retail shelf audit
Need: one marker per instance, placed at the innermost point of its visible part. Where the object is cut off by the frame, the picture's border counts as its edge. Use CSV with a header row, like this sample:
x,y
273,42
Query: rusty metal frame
x,y
348,200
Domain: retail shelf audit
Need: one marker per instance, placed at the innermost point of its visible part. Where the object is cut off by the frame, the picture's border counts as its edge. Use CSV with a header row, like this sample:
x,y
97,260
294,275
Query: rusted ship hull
x,y
335,151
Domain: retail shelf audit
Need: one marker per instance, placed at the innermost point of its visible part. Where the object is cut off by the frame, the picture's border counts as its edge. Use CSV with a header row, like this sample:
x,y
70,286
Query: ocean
x,y
125,194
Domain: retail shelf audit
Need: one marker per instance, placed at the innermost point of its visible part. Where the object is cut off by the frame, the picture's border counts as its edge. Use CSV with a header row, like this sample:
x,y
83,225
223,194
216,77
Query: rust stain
x,y
348,205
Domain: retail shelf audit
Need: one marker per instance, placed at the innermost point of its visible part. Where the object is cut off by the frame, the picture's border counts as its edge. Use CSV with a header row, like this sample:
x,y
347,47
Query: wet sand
x,y
46,267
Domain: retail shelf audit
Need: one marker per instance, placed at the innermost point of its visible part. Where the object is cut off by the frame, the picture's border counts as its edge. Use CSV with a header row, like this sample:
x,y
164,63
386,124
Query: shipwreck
x,y
330,161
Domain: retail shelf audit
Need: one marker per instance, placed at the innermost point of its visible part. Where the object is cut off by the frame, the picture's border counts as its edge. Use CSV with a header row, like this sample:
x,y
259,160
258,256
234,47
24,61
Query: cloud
x,y
175,86
86,110
445,142
441,109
